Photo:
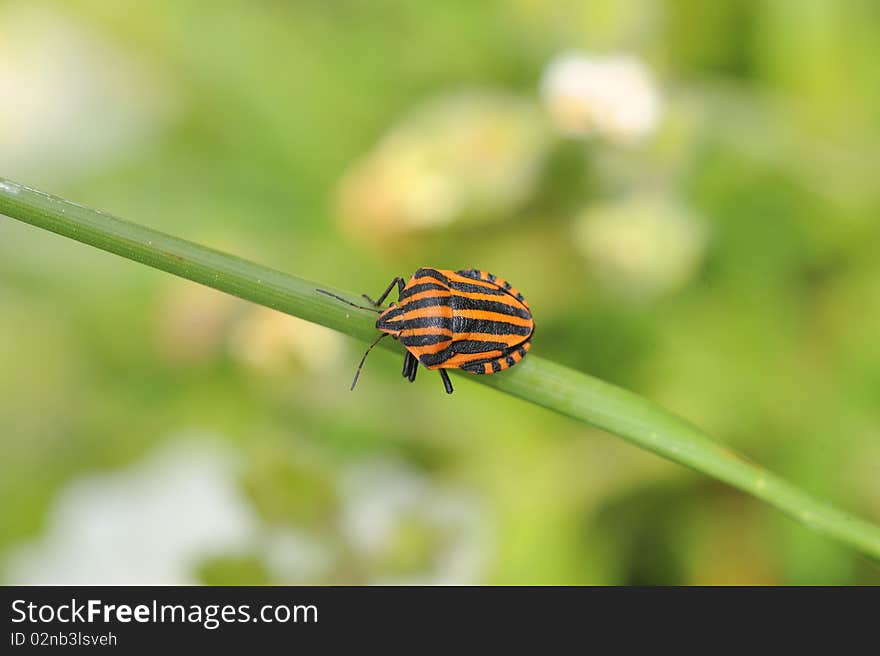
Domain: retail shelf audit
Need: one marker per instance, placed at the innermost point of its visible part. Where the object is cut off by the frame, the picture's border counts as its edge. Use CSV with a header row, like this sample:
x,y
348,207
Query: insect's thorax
x,y
390,321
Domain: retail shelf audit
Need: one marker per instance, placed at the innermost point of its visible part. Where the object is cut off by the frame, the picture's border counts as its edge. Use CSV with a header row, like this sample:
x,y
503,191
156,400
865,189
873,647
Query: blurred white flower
x,y
267,340
149,524
466,156
69,99
156,522
192,322
612,96
642,247
294,556
383,498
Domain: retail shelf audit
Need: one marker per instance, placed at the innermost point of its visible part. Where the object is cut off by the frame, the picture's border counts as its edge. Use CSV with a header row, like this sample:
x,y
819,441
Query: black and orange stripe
x,y
470,320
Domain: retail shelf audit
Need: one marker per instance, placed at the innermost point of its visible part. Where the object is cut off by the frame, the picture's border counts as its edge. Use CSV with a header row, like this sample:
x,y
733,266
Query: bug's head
x,y
390,321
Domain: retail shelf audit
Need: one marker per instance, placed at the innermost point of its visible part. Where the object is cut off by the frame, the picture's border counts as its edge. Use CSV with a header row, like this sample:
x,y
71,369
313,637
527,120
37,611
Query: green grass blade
x,y
539,381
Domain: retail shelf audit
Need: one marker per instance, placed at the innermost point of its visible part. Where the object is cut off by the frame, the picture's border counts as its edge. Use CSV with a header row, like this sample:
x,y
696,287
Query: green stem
x,y
539,381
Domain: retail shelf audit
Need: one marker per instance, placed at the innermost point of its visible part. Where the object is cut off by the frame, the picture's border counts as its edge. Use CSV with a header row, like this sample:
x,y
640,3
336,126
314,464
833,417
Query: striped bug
x,y
469,320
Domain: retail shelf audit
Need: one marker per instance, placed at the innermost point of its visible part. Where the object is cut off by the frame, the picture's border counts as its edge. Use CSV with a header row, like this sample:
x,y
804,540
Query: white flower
x,y
612,96
149,524
192,322
297,556
69,99
267,340
383,499
464,156
642,247
157,521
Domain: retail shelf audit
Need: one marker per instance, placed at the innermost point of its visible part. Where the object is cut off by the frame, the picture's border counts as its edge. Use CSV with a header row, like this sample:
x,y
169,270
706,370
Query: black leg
x,y
407,364
363,359
397,281
339,298
410,366
446,382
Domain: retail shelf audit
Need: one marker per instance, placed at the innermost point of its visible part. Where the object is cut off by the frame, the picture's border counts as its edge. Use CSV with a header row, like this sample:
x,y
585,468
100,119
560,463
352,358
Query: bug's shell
x,y
470,320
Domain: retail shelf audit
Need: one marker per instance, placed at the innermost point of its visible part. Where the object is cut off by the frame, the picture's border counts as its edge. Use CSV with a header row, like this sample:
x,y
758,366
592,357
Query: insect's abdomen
x,y
491,325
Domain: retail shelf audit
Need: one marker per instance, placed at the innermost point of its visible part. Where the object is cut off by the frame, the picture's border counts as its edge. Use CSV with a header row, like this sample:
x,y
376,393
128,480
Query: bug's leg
x,y
339,298
397,281
410,369
363,359
409,366
446,382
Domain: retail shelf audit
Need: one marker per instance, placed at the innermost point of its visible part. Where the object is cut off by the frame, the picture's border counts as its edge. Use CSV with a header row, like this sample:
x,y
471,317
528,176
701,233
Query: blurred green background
x,y
685,191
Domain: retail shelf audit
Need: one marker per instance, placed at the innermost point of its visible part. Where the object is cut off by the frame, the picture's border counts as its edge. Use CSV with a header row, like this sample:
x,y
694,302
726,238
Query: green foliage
x,y
244,132
539,381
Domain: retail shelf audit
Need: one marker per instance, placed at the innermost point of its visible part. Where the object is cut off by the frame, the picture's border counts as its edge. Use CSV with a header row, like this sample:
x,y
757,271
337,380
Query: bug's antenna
x,y
339,298
363,359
